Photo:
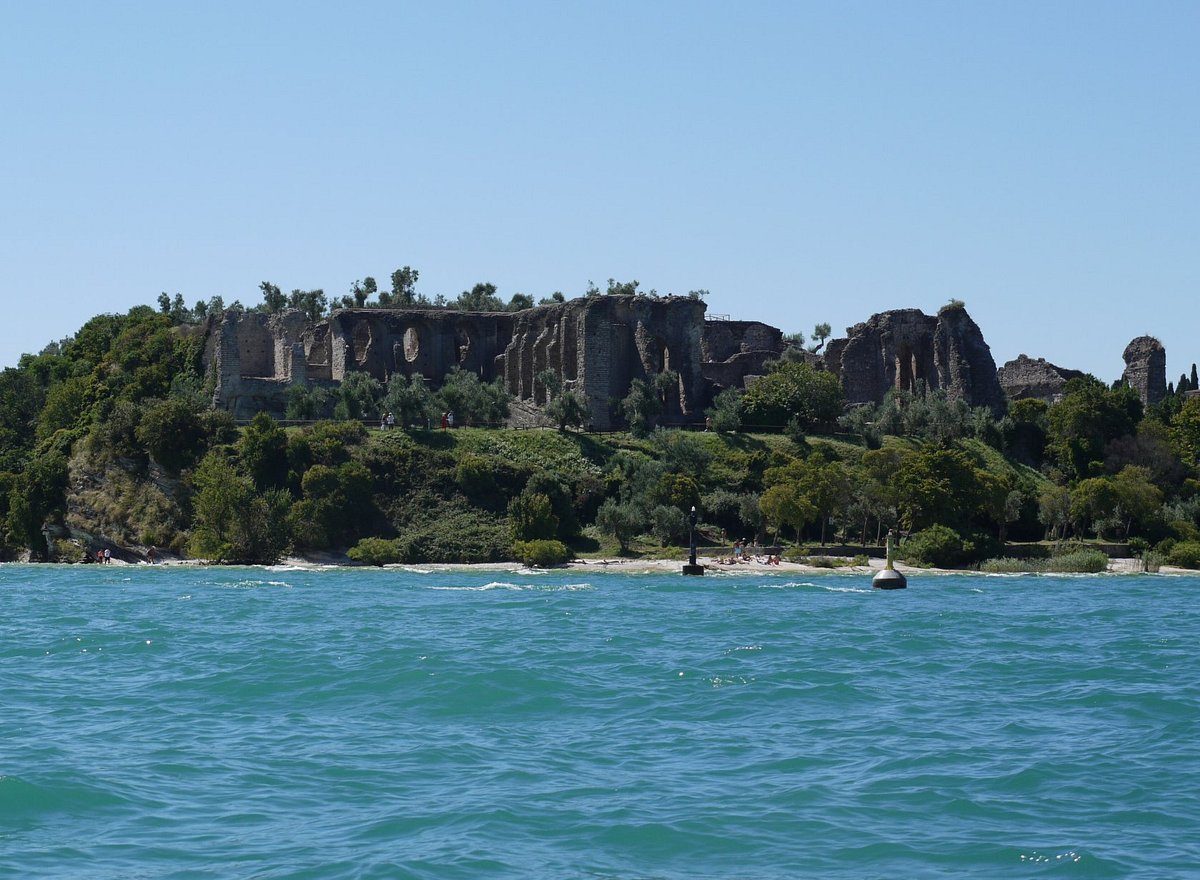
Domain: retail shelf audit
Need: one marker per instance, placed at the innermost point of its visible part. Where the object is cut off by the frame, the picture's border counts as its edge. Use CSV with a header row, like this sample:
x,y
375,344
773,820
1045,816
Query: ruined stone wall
x,y
1026,377
1146,369
903,348
597,346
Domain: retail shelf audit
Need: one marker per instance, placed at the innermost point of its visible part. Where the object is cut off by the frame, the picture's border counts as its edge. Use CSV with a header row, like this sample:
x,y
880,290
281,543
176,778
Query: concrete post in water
x,y
692,567
888,578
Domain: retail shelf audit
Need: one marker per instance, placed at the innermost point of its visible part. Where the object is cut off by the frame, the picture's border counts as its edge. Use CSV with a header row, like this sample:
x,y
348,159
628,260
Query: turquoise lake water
x,y
271,723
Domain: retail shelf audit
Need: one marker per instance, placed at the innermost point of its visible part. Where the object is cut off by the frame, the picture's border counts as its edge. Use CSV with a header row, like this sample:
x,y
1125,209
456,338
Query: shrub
x,y
532,517
375,551
473,402
1081,561
792,390
233,522
670,525
1009,565
621,521
170,431
1185,554
726,411
568,410
938,546
449,533
542,553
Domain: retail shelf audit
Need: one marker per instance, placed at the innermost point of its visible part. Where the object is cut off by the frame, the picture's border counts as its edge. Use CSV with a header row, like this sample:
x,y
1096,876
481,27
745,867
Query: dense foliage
x,y
107,437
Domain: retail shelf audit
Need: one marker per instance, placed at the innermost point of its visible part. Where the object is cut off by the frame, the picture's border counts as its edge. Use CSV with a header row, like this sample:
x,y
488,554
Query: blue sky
x,y
803,162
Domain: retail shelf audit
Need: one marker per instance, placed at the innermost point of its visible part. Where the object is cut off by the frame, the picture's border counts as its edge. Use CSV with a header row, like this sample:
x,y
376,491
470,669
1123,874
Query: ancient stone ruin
x,y
597,346
1146,369
906,349
1027,377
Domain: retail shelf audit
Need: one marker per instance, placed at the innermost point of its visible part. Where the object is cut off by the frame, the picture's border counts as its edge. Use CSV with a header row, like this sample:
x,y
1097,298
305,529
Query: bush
x,y
1074,561
568,409
726,411
670,525
375,551
1185,554
233,521
937,546
532,517
473,402
1009,565
621,521
454,534
792,390
1081,561
542,554
170,431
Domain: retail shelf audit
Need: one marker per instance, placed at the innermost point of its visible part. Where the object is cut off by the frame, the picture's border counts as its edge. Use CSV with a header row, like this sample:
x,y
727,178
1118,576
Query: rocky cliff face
x,y
1026,377
904,347
1146,369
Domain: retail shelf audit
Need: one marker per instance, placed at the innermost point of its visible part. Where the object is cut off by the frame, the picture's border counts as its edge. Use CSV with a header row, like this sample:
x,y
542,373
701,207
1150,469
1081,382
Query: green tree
x,y
171,431
531,516
1054,511
473,402
404,287
792,390
263,449
620,521
640,406
820,333
1185,431
568,410
1085,420
935,485
480,298
784,504
313,303
232,521
726,411
359,395
1023,431
274,299
410,400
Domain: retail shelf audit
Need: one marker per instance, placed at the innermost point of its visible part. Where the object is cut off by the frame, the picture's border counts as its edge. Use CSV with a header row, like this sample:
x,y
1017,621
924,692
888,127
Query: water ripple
x,y
287,722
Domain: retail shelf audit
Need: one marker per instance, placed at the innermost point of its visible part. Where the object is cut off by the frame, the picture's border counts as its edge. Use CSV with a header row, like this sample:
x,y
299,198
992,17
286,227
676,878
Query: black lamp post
x,y
692,522
692,567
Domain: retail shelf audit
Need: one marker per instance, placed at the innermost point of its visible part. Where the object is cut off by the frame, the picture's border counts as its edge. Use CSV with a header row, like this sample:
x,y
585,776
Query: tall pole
x,y
692,567
692,552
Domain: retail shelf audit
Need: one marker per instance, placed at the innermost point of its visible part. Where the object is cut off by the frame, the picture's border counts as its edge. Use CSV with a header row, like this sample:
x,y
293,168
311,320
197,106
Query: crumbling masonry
x,y
598,345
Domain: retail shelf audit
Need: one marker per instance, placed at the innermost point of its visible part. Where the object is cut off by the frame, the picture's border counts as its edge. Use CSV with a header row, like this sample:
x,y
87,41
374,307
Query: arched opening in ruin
x,y
908,370
463,341
362,342
412,344
317,353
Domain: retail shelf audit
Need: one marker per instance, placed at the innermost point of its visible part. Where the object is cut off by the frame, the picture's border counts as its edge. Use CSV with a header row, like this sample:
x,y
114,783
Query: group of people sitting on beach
x,y
741,555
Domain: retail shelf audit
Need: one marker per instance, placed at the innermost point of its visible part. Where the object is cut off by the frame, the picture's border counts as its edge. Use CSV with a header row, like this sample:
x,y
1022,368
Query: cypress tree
x,y
1195,381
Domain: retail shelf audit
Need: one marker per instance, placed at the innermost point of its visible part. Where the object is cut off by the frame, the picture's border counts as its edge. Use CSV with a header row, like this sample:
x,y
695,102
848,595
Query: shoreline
x,y
618,565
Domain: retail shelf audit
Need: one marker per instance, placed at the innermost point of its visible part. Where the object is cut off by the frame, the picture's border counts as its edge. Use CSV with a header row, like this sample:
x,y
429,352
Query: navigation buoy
x,y
888,578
